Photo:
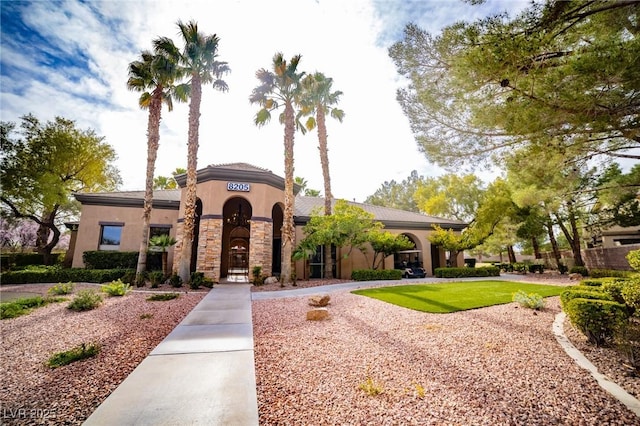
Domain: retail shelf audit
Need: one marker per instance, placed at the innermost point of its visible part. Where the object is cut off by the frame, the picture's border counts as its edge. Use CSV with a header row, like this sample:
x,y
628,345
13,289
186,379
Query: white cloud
x,y
339,38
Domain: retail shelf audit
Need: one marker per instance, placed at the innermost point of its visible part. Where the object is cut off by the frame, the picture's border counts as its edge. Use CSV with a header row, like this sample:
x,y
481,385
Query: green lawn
x,y
456,296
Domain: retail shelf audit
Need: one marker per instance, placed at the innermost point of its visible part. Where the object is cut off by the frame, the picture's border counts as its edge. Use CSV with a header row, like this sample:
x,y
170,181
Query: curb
x,y
614,389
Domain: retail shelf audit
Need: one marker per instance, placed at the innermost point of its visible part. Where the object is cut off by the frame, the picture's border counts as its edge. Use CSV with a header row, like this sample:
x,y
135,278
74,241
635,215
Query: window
x,y
110,235
156,230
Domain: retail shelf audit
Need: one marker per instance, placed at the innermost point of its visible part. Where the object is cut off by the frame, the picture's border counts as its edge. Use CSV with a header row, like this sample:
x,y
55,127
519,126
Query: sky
x,y
70,59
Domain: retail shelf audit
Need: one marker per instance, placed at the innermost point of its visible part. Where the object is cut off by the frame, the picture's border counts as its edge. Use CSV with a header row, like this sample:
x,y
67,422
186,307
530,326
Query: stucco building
x,y
239,211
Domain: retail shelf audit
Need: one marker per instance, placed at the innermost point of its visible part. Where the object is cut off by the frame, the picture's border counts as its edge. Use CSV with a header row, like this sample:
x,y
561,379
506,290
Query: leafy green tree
x,y
563,74
450,196
617,200
281,87
318,101
163,242
493,208
398,195
153,75
43,165
348,226
198,62
384,244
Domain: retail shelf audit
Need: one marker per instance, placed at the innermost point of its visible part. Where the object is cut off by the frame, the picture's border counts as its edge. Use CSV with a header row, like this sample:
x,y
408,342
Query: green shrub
x,y
78,353
85,300
604,273
531,300
16,260
20,307
62,289
160,297
613,287
597,319
591,282
55,275
633,257
631,294
116,288
156,278
256,276
485,271
129,276
536,267
175,281
141,279
376,274
582,293
582,270
207,282
196,280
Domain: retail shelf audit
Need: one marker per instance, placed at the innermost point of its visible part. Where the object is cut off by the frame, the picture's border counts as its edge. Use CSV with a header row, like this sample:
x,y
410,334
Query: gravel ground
x,y
127,329
498,365
494,366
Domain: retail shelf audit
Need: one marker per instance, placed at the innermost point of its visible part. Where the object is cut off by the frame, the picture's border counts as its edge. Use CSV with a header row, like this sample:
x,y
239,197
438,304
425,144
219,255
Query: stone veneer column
x,y
210,248
177,248
260,246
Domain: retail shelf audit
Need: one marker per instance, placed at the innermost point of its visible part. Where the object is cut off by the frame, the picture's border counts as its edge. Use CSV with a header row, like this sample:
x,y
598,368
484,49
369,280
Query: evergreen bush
x,y
376,274
597,319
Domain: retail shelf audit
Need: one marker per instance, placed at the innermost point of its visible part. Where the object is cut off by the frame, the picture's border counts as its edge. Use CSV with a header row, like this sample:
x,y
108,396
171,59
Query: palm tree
x,y
281,87
318,101
163,242
199,64
153,75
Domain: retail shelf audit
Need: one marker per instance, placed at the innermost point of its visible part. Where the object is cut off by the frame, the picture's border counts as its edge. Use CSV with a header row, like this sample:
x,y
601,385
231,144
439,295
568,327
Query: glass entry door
x,y
239,260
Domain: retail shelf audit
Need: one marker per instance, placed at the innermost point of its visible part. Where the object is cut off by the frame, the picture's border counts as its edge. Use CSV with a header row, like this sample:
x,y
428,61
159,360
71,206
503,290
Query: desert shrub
x,y
197,278
116,288
207,282
62,289
78,353
175,281
597,319
160,297
485,271
582,270
256,275
531,300
129,276
156,278
85,300
376,274
371,387
582,293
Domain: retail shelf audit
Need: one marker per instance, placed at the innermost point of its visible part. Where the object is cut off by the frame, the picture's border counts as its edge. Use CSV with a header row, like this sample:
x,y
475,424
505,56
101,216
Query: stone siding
x,y
260,246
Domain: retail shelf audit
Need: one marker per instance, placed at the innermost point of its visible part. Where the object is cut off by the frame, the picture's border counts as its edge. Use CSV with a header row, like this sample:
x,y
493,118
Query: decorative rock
x,y
271,280
319,300
317,314
575,277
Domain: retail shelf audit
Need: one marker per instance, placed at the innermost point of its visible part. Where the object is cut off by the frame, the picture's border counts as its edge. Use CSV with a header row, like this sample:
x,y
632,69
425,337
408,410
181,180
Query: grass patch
x,y
78,353
459,296
160,297
23,306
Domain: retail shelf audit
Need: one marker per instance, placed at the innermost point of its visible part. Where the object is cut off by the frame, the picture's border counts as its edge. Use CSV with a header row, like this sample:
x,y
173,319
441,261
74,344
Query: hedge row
x,y
375,274
487,271
11,260
59,275
104,259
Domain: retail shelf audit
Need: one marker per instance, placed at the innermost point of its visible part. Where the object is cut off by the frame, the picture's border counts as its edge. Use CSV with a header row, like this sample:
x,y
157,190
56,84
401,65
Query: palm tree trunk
x,y
184,269
287,225
324,161
153,139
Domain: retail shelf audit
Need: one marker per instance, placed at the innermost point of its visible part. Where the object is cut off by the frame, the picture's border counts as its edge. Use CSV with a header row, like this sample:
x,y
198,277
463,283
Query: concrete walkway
x,y
202,373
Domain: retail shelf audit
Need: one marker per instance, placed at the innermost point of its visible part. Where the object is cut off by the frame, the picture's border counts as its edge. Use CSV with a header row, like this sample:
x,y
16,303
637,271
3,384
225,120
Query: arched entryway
x,y
277,215
236,233
409,258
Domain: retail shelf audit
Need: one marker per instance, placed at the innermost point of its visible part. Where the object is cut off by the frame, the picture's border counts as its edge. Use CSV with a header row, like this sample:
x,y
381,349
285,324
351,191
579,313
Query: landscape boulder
x,y
270,280
318,314
319,300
